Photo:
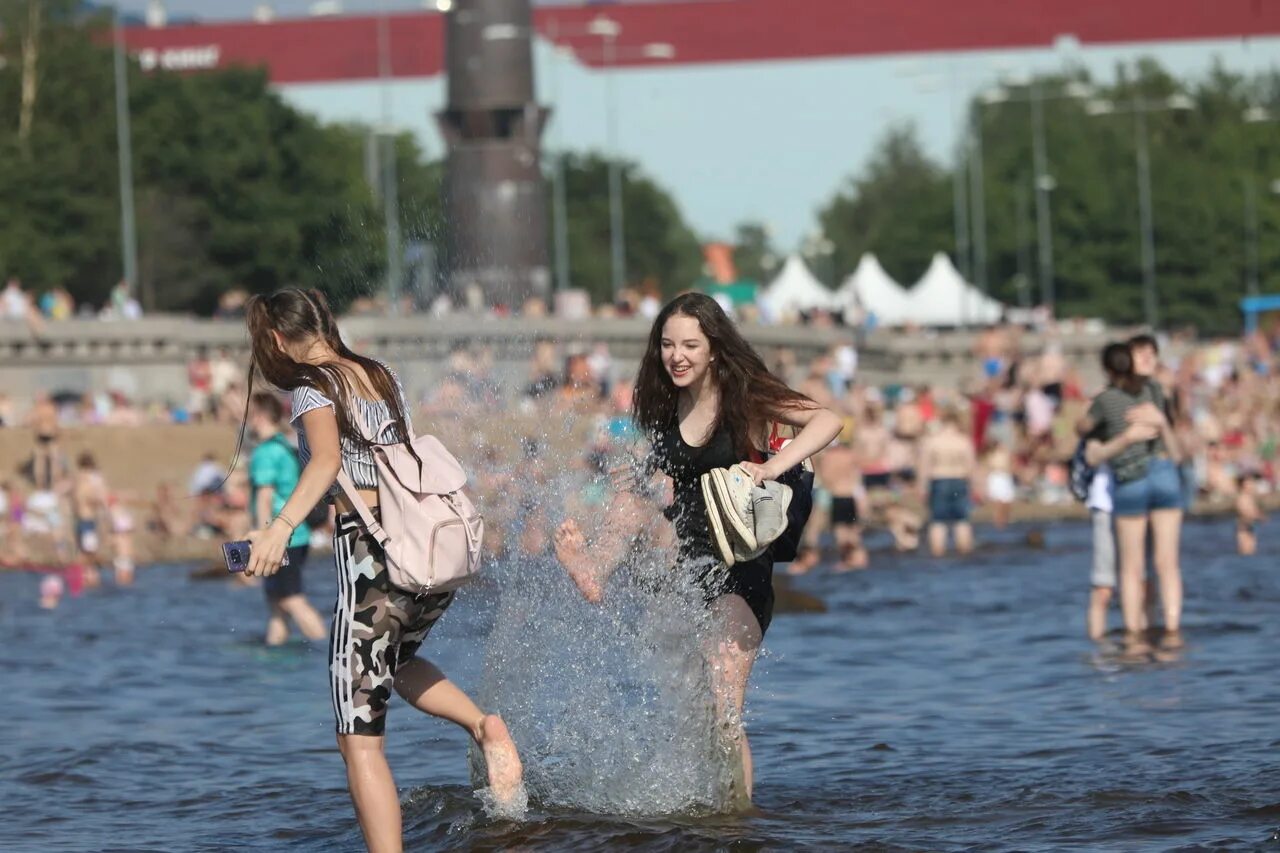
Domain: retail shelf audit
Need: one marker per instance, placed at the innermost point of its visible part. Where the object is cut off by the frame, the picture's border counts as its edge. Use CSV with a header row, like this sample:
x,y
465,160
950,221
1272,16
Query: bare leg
x,y
277,627
737,643
373,792
964,537
1166,526
1131,541
304,616
937,539
1246,542
421,683
1099,601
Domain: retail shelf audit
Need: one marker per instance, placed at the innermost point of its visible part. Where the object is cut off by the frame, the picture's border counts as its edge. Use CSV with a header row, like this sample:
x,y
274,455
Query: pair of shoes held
x,y
744,518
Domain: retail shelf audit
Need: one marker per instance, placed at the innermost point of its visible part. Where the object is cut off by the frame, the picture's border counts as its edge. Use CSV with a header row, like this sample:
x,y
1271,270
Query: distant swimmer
x,y
947,464
707,401
1248,514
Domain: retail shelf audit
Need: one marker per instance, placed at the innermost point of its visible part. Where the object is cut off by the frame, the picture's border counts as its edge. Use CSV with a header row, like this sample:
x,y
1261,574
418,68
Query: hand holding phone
x,y
236,555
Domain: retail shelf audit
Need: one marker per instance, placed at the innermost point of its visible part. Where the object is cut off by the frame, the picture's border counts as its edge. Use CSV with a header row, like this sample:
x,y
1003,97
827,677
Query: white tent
x,y
943,298
875,292
795,289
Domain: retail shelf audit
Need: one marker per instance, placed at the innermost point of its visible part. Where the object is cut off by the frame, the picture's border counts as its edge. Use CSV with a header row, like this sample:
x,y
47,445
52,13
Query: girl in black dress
x,y
706,400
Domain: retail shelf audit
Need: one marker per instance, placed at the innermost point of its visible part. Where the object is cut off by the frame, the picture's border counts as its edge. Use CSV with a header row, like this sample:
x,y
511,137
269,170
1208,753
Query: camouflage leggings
x,y
376,628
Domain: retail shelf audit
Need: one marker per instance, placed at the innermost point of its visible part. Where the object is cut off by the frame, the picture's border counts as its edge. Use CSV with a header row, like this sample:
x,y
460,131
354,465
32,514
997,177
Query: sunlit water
x,y
936,706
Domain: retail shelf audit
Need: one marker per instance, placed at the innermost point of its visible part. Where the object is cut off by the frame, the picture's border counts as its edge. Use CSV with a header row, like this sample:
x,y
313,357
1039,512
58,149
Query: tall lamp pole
x,y
390,178
124,148
1146,215
608,30
1044,184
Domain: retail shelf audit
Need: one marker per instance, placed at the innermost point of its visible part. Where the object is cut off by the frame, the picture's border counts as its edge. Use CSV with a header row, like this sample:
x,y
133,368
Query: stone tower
x,y
494,192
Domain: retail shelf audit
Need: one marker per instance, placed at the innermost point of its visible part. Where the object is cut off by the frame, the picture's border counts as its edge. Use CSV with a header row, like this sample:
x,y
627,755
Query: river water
x,y
950,705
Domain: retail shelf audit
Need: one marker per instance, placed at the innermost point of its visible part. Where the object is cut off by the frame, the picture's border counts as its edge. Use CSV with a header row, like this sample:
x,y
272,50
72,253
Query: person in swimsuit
x,y
947,464
706,400
377,629
89,504
837,470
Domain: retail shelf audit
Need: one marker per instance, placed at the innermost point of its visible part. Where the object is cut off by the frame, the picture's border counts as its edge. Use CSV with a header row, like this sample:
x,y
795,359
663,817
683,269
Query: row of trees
x,y
236,187
1214,161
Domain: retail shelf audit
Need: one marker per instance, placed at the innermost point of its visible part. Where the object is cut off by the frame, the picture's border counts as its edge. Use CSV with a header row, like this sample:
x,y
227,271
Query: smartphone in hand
x,y
236,555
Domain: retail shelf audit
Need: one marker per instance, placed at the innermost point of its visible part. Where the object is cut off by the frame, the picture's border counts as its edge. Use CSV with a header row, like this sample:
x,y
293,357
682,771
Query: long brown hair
x,y
750,396
299,315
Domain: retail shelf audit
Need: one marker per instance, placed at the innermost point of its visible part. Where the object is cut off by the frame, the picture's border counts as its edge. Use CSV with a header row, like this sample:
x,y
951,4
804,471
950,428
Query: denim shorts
x,y
949,500
1159,488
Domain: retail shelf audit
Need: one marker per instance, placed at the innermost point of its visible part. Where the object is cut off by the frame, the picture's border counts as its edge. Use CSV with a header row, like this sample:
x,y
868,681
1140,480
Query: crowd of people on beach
x,y
913,461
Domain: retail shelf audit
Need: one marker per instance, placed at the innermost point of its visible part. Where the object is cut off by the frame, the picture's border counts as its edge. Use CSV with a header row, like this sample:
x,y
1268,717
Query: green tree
x,y
754,254
899,208
659,244
233,185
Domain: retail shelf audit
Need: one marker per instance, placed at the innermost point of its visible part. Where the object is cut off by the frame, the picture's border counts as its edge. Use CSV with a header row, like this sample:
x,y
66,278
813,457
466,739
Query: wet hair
x,y
1144,340
268,404
1117,361
299,315
750,396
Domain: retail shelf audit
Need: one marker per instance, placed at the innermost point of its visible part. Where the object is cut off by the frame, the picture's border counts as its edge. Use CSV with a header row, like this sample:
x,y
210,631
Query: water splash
x,y
610,704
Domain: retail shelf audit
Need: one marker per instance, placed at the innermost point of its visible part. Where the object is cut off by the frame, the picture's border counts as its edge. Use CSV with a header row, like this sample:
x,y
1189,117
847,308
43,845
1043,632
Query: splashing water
x,y
610,704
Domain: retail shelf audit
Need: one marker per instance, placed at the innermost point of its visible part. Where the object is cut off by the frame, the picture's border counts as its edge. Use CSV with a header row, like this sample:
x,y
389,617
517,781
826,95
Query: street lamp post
x,y
979,198
1146,215
124,147
390,178
559,197
607,30
1151,308
1253,263
1043,185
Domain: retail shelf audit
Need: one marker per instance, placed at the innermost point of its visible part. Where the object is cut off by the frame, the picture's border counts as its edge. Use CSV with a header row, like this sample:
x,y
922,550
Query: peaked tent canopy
x,y
796,289
873,290
943,298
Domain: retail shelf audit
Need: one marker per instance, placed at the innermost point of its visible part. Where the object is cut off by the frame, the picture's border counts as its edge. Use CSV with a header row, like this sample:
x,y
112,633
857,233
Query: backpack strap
x,y
362,509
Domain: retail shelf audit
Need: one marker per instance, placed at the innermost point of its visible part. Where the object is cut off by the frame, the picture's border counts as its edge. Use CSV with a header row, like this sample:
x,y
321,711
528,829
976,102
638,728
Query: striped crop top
x,y
356,461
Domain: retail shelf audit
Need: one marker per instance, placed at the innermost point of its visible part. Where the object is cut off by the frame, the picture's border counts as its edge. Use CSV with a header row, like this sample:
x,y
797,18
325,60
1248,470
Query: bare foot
x,y
571,551
1172,640
501,760
1135,646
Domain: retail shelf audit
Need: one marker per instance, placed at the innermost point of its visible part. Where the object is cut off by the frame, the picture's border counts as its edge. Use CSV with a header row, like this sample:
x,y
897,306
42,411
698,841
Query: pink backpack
x,y
430,530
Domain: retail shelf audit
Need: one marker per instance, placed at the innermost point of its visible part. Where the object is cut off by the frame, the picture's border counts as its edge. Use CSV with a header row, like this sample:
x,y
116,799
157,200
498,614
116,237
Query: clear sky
x,y
761,141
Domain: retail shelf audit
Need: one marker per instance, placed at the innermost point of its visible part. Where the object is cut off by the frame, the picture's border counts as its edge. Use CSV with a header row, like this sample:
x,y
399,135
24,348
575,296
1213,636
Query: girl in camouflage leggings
x,y
377,628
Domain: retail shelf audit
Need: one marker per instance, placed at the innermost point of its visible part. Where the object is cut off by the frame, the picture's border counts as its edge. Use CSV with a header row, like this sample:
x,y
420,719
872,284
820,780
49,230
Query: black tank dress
x,y
685,465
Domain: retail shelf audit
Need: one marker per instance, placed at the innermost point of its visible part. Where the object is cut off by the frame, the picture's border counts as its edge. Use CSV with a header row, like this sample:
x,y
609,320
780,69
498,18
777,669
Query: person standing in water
x,y
837,470
274,470
706,400
1135,437
338,396
947,463
89,506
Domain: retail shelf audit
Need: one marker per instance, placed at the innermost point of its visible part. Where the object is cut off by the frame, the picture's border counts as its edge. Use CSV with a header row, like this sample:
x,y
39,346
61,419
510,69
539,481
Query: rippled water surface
x,y
936,706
